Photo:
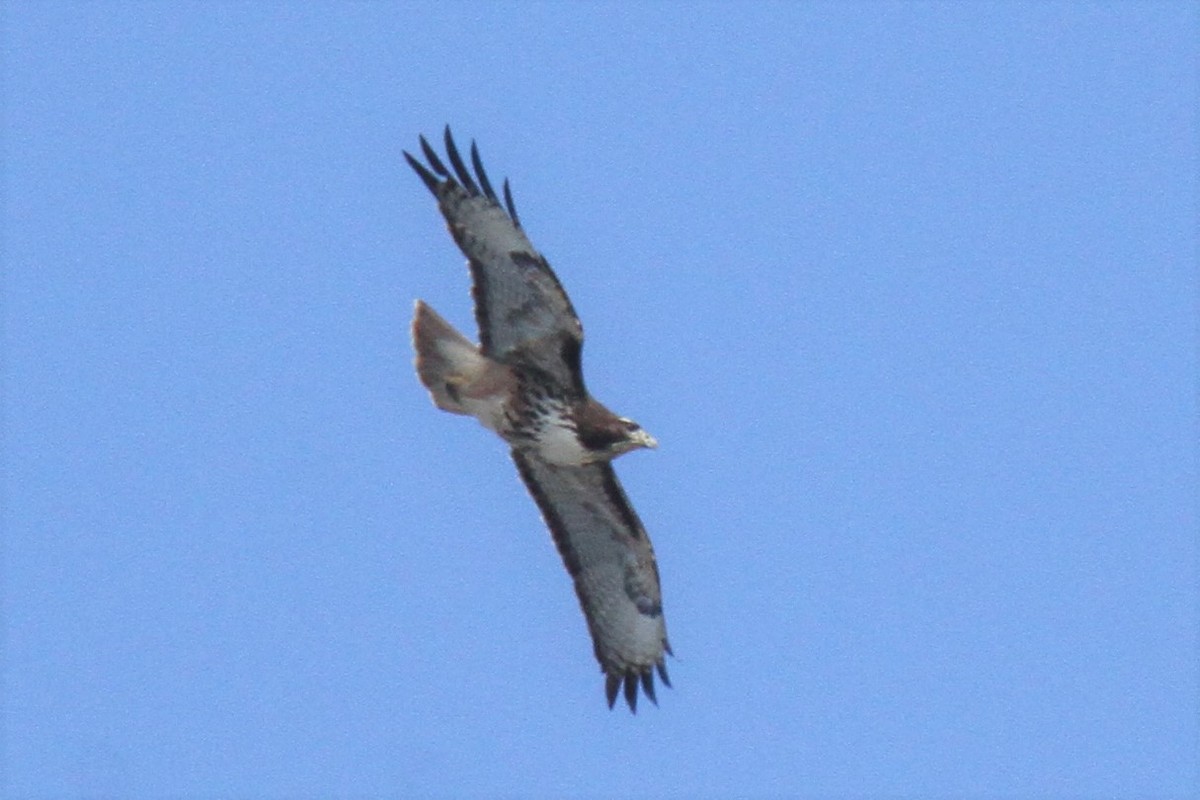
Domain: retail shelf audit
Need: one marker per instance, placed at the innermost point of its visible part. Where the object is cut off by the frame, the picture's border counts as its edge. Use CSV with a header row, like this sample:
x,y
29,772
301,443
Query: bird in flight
x,y
525,382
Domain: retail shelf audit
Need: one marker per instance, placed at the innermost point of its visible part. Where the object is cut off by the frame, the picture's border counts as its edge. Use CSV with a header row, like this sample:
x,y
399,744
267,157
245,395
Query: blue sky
x,y
907,292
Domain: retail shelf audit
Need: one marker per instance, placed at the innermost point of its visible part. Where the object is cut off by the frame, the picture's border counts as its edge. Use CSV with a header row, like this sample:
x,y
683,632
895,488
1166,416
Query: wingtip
x,y
456,161
427,177
431,156
631,691
508,201
628,684
648,686
661,666
481,174
434,172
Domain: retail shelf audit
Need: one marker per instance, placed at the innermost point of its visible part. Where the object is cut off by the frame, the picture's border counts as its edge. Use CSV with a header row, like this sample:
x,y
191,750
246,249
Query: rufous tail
x,y
447,361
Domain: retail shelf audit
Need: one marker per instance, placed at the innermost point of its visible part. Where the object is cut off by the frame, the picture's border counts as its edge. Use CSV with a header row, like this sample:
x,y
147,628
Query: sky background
x,y
907,292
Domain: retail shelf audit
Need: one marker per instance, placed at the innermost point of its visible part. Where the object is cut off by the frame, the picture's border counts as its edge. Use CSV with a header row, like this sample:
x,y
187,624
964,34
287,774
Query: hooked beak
x,y
643,439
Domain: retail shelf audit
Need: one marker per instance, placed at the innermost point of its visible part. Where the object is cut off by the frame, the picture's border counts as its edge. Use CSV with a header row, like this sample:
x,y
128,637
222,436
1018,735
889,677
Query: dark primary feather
x,y
631,687
612,685
476,162
648,686
662,668
464,177
524,315
614,682
435,162
508,201
427,177
460,169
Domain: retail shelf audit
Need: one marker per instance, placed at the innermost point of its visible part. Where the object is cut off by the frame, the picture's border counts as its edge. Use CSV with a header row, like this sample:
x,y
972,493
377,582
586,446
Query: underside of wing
x,y
522,310
609,557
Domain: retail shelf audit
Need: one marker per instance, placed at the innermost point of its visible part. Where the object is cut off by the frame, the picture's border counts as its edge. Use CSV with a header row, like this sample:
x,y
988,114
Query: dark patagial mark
x,y
479,293
558,531
616,496
572,345
571,352
529,260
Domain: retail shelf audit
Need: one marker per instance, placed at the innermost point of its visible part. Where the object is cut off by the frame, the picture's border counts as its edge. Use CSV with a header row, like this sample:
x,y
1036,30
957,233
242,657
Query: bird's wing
x,y
606,551
523,313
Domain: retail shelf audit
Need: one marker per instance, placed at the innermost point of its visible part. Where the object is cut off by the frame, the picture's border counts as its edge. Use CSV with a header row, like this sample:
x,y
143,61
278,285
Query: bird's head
x,y
606,436
635,437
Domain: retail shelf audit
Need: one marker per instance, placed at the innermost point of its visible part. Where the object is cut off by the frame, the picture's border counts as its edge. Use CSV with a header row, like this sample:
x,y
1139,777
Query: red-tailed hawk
x,y
525,383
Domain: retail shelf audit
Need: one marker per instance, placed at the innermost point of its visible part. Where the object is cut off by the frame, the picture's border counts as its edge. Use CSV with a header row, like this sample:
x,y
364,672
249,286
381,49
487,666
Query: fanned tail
x,y
447,361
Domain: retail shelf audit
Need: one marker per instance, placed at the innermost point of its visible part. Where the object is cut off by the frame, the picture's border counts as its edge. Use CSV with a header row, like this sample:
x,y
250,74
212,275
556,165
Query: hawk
x,y
525,382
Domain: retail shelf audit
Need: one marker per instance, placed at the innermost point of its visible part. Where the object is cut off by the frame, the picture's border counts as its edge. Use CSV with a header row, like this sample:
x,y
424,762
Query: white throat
x,y
559,444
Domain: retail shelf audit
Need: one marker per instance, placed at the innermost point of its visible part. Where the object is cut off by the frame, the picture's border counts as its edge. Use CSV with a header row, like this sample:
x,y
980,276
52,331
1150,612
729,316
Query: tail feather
x,y
447,362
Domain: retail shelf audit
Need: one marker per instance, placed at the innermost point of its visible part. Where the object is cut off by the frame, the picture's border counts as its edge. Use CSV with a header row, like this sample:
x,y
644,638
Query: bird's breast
x,y
557,442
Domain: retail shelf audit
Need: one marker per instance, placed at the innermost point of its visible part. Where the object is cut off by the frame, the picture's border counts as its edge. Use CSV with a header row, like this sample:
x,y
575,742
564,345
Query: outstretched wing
x,y
606,551
523,313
